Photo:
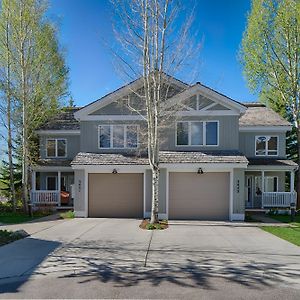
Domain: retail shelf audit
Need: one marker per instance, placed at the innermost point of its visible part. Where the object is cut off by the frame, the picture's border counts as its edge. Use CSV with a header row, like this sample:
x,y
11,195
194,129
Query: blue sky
x,y
82,24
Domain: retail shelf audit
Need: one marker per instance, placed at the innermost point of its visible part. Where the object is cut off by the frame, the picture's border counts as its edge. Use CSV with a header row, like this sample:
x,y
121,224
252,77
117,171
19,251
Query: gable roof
x,y
121,92
258,114
209,93
64,120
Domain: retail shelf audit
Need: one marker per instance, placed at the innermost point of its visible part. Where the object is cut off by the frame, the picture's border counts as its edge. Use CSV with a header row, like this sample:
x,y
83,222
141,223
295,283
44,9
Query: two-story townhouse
x,y
218,157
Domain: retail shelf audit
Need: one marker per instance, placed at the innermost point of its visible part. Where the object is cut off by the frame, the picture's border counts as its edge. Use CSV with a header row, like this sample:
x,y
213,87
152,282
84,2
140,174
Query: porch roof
x,y
271,162
171,157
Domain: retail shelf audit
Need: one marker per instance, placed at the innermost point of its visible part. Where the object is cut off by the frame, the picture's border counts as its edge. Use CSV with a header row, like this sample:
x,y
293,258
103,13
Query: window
x,y
118,136
271,184
195,133
56,147
266,145
51,183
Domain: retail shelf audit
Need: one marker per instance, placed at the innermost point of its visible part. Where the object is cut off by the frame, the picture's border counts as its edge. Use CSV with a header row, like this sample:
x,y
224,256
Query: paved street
x,y
113,258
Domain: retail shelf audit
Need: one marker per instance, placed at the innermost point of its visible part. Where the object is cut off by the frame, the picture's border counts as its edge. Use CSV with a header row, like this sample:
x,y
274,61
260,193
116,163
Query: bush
x,y
67,215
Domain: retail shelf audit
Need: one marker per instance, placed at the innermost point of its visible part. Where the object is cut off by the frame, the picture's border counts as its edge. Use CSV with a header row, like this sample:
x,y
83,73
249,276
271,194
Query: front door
x,y
249,191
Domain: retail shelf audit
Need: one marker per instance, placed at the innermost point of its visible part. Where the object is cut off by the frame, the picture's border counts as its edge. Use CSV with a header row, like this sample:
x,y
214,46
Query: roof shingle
x,y
83,158
259,115
65,120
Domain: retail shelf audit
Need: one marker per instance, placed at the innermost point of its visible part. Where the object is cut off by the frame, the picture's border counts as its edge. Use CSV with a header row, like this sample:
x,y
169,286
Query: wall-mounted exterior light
x,y
115,171
200,171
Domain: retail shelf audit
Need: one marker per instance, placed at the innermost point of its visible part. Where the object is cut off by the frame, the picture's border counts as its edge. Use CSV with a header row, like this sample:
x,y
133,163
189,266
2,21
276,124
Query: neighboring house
x,y
218,158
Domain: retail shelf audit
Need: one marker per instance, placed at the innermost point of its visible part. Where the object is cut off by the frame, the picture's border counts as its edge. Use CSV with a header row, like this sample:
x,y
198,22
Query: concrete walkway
x,y
113,258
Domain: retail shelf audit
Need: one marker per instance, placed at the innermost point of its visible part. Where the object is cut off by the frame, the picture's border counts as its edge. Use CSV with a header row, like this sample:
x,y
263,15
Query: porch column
x,y
58,187
33,181
262,188
33,186
292,181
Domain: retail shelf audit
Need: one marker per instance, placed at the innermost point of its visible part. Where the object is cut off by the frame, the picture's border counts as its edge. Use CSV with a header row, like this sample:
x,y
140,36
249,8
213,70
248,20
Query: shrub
x,y
67,215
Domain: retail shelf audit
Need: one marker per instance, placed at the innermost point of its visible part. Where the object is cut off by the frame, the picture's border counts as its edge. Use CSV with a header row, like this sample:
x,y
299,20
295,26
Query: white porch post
x,y
58,187
33,187
33,181
292,181
262,187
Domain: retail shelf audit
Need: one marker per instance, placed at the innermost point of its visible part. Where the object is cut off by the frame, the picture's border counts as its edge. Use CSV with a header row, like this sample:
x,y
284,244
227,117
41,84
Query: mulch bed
x,y
161,225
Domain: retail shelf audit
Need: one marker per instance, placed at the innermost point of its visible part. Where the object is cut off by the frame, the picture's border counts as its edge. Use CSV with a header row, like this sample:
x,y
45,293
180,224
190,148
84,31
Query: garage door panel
x,y
116,195
199,196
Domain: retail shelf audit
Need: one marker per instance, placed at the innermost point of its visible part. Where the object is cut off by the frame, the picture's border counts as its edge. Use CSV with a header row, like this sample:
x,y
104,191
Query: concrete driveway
x,y
113,258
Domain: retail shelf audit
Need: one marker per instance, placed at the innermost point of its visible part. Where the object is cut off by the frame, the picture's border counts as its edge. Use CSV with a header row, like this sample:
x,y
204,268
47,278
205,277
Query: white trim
x,y
207,113
179,167
259,168
80,214
204,122
265,128
266,147
82,114
210,94
208,106
58,132
113,118
111,132
56,147
238,217
144,193
110,168
51,169
167,194
292,181
231,195
86,193
160,216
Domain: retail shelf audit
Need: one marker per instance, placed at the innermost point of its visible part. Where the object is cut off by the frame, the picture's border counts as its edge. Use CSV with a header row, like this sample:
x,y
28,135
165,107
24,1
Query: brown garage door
x,y
199,196
116,195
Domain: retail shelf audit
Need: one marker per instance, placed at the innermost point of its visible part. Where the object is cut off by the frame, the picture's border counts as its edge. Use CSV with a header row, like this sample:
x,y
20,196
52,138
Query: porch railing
x,y
278,199
45,197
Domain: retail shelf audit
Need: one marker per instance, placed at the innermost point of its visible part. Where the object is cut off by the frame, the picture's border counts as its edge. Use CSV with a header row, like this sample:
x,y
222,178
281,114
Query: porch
x,y
55,189
269,189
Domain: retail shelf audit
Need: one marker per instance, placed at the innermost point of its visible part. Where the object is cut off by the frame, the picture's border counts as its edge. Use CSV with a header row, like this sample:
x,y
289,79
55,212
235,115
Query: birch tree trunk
x,y
9,122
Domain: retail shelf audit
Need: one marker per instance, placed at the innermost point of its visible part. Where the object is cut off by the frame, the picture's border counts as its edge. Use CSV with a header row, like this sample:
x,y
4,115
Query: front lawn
x,y
19,217
290,234
8,237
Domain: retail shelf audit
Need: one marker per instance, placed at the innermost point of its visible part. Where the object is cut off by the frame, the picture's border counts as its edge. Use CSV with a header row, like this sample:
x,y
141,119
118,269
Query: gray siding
x,y
42,178
162,207
89,136
73,145
79,204
238,191
228,135
247,143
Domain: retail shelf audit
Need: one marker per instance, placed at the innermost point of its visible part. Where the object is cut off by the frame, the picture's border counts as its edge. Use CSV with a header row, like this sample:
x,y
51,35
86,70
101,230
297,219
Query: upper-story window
x,y
56,148
195,133
118,136
266,145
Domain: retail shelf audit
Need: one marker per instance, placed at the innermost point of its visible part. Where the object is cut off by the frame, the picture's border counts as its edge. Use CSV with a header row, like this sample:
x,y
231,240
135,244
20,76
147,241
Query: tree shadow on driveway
x,y
123,264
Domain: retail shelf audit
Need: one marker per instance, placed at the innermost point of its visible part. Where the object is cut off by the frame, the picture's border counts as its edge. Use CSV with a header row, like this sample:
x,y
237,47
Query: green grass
x,y
67,215
19,217
290,234
7,237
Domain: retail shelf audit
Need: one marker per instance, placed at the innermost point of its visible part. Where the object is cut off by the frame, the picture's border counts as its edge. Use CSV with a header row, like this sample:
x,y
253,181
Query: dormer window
x,y
117,136
56,148
266,145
